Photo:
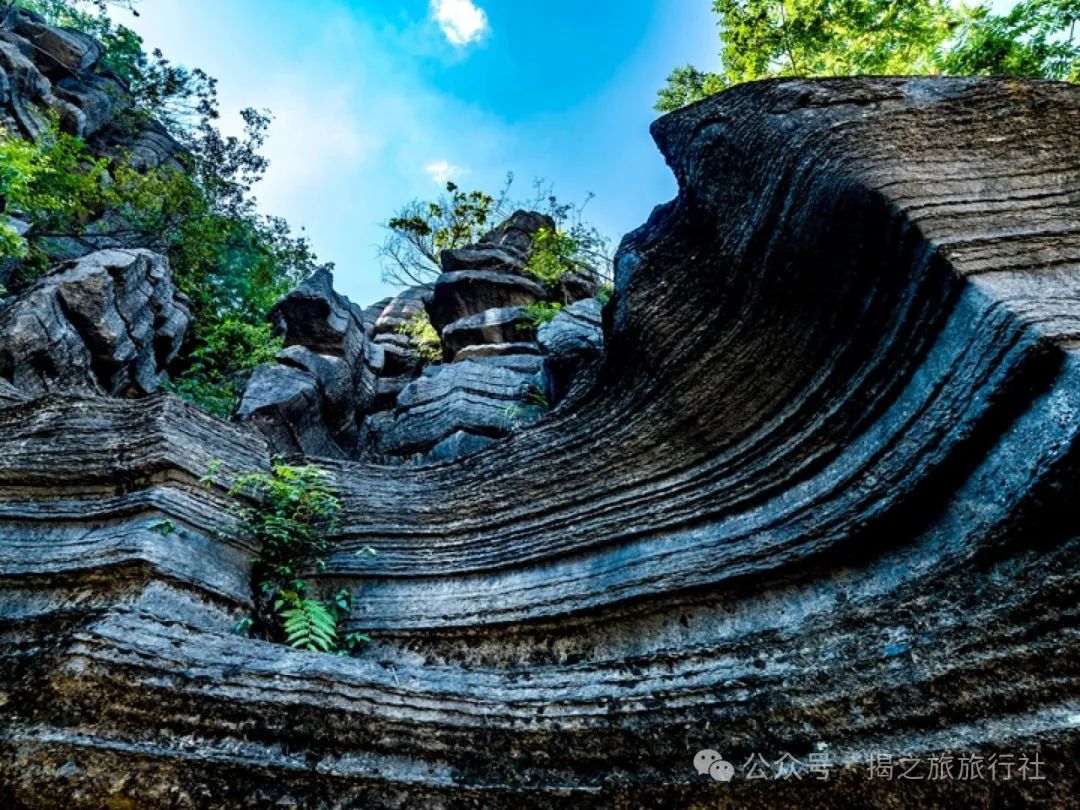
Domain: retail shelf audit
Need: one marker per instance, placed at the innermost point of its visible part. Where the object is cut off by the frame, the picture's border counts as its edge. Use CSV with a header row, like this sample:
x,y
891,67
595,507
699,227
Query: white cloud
x,y
443,171
461,21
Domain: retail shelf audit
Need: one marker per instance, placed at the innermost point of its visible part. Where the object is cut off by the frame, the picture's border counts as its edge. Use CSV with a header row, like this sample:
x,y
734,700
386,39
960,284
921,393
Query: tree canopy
x,y
765,38
421,230
232,261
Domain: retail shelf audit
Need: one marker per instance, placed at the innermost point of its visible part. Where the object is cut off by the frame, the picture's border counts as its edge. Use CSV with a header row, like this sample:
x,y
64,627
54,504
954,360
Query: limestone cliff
x,y
812,494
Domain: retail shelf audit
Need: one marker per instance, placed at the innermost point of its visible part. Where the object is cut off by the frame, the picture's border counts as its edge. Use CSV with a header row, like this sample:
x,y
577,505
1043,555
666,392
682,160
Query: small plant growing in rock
x,y
533,400
424,336
295,512
540,313
604,293
554,255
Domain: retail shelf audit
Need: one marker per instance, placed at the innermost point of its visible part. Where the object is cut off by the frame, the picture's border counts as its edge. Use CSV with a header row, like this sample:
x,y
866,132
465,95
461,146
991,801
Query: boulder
x,y
47,69
493,258
573,345
110,323
517,232
457,445
331,363
487,396
500,325
286,404
574,286
401,309
62,51
463,293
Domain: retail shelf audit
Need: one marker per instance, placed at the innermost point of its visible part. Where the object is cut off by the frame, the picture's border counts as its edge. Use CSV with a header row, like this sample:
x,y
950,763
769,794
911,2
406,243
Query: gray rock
x,y
401,356
325,338
482,257
574,286
573,345
63,51
457,445
285,404
9,393
401,309
463,293
47,69
505,325
370,315
496,350
517,232
484,396
110,323
316,316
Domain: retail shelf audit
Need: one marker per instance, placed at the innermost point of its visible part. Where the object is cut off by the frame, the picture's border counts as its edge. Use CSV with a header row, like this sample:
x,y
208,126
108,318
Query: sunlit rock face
x,y
356,384
818,497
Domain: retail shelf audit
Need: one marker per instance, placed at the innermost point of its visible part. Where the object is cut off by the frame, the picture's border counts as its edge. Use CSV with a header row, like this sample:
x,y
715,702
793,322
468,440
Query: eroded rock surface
x,y
311,401
49,73
109,323
357,383
818,498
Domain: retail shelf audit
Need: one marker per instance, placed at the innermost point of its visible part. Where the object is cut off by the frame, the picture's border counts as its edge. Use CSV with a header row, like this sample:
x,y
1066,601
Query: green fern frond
x,y
310,625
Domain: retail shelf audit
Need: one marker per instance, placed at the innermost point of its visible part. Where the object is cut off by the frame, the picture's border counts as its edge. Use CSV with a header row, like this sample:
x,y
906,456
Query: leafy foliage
x,y
56,185
425,337
762,38
541,312
419,233
295,513
230,260
1035,38
228,349
554,254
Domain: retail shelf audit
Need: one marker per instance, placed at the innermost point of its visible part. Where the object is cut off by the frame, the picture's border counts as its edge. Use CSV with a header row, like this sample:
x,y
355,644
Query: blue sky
x,y
377,102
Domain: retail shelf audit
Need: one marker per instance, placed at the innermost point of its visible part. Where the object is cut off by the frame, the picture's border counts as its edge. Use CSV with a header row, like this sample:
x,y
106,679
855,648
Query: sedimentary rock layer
x,y
819,497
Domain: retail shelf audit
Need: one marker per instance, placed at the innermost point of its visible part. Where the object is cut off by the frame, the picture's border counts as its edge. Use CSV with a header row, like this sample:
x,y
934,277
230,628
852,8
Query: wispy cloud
x,y
461,21
443,171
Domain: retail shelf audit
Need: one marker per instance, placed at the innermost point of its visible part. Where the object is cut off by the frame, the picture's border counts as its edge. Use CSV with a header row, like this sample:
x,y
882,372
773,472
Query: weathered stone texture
x,y
111,322
818,495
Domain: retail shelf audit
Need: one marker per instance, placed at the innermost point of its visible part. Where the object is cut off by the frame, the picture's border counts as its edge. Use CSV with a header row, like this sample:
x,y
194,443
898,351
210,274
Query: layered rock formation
x,y
817,499
354,383
110,323
48,72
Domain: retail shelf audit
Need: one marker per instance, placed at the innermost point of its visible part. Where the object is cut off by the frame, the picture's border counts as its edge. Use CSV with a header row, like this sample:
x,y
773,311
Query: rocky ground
x,y
805,488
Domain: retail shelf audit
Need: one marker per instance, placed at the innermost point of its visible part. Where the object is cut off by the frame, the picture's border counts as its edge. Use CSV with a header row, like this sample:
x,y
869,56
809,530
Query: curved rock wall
x,y
818,500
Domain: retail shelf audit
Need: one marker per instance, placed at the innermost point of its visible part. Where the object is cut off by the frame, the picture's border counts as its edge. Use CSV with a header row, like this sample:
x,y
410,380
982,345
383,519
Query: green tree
x,y
417,234
232,261
764,38
422,230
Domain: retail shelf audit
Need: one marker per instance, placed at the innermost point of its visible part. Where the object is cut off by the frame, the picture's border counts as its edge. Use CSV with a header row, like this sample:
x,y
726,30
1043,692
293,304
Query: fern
x,y
310,625
296,510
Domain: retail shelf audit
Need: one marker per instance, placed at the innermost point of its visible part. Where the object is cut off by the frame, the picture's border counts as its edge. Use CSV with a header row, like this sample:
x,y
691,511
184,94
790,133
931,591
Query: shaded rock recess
x,y
817,497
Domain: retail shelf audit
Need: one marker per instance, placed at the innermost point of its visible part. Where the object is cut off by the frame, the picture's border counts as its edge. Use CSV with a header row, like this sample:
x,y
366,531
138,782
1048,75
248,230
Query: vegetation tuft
x,y
295,510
